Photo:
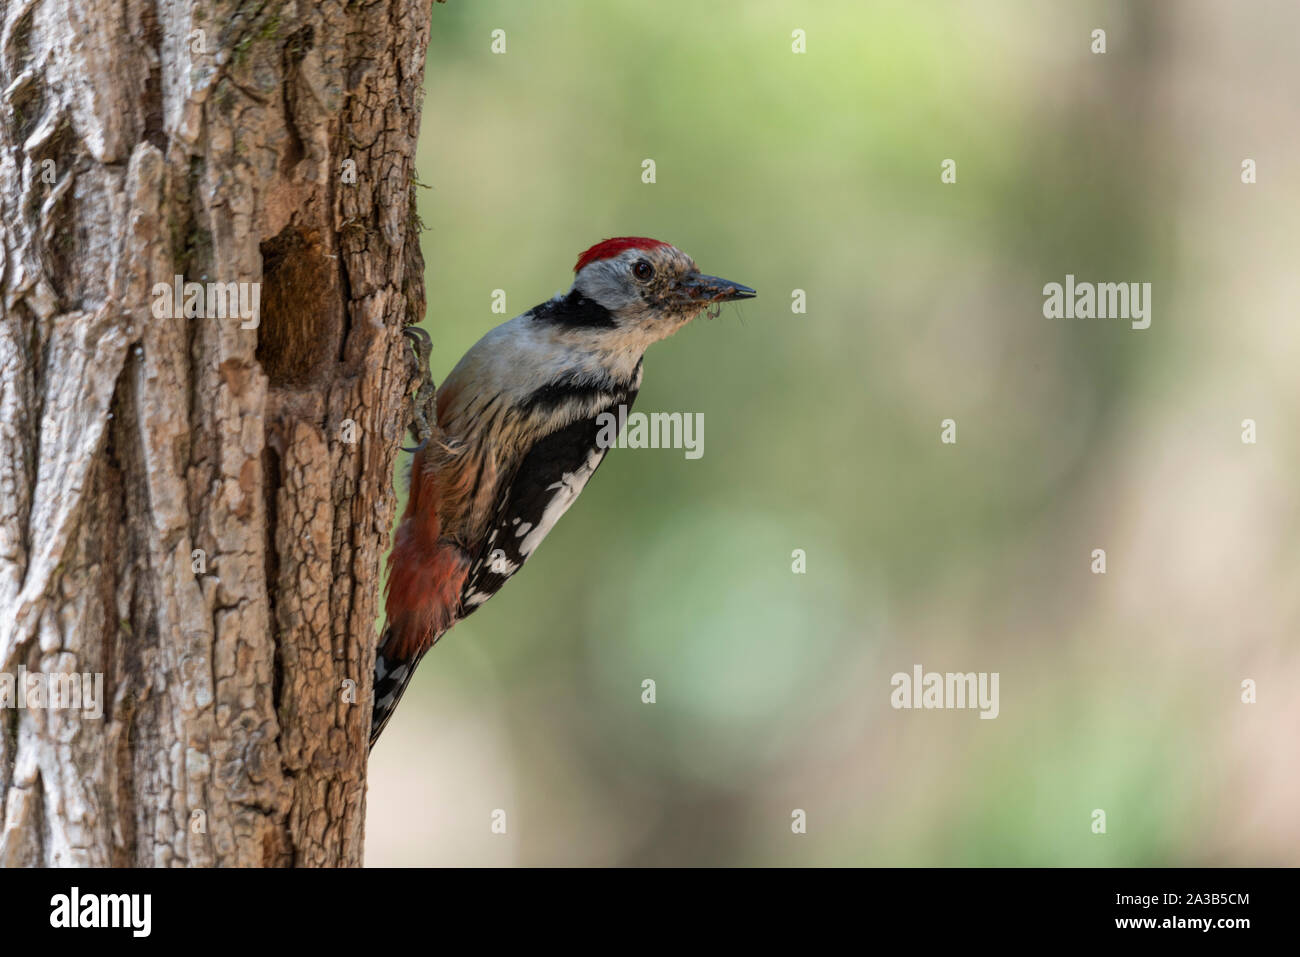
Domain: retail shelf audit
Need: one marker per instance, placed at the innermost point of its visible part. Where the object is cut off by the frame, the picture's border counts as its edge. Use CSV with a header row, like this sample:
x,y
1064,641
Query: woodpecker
x,y
516,438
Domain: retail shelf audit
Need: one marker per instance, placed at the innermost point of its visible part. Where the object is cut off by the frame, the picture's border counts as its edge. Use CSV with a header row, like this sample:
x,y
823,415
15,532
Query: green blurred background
x,y
821,171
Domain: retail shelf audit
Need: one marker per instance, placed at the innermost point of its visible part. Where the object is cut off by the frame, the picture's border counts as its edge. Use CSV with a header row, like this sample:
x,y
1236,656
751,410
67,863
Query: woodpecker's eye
x,y
643,270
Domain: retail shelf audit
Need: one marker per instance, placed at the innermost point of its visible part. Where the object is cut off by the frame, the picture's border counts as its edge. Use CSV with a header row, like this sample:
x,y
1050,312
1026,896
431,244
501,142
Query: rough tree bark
x,y
193,509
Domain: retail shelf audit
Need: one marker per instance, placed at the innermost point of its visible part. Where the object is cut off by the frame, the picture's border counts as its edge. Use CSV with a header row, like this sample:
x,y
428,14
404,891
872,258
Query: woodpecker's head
x,y
650,288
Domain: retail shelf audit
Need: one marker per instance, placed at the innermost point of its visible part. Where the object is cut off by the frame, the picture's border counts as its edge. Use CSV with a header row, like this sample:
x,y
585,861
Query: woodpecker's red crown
x,y
608,248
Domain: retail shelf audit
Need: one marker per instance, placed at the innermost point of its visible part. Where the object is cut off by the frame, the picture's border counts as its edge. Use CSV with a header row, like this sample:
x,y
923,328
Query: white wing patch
x,y
550,478
566,491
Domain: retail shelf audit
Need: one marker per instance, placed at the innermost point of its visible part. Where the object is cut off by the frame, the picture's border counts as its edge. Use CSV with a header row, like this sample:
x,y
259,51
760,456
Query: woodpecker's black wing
x,y
548,480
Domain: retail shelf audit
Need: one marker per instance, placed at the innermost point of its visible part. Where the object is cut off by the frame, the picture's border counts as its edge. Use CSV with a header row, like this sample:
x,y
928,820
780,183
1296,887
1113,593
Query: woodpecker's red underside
x,y
612,247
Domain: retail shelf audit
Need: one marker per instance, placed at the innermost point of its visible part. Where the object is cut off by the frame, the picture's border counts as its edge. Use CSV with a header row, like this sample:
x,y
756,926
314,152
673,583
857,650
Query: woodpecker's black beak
x,y
709,289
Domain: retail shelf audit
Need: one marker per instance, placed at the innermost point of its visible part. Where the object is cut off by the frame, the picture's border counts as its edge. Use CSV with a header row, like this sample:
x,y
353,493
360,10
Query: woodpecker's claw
x,y
422,424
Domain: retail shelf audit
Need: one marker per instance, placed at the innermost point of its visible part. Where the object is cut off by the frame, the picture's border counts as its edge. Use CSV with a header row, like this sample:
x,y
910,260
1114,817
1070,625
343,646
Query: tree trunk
x,y
196,508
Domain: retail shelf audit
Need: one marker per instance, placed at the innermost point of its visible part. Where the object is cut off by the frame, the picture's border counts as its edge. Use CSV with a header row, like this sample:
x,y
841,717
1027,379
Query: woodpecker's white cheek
x,y
606,282
566,492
